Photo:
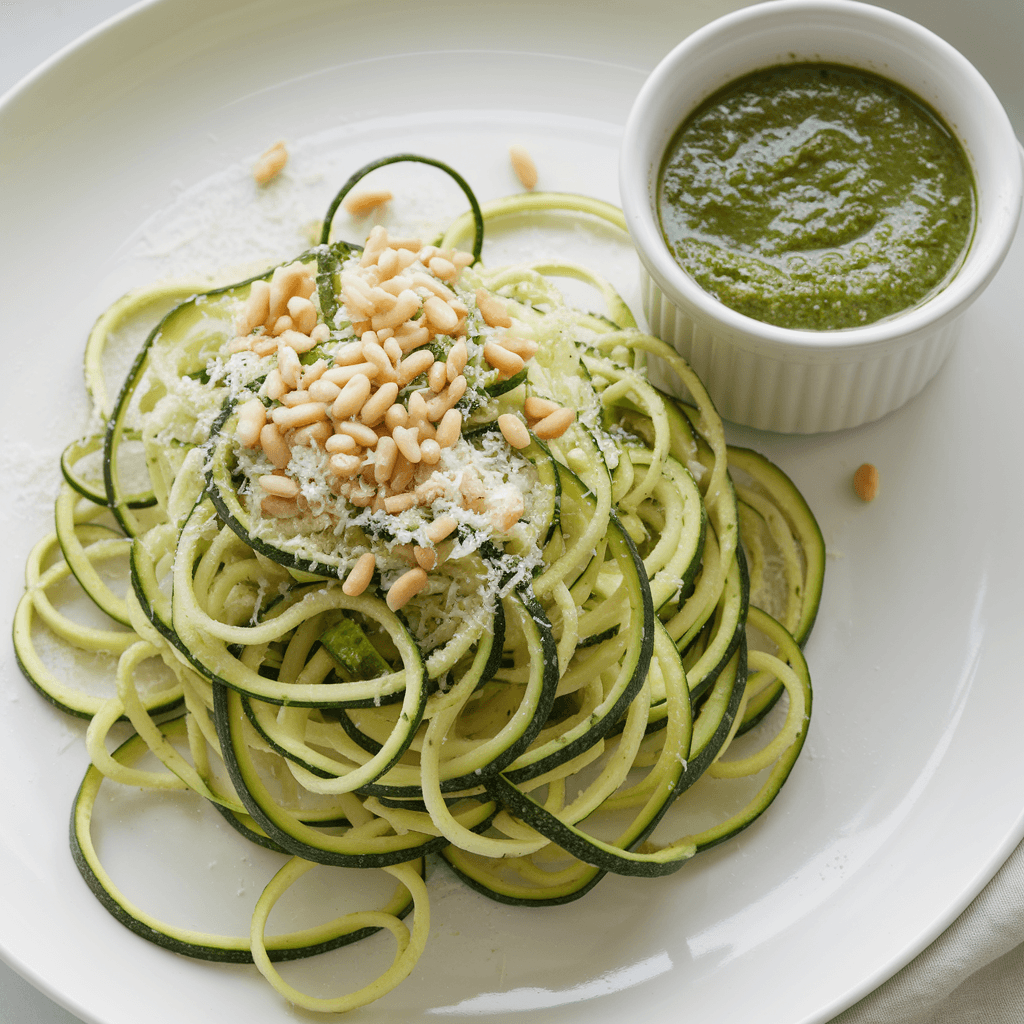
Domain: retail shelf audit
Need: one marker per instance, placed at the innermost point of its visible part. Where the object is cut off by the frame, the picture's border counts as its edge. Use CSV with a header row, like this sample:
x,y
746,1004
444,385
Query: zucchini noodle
x,y
558,630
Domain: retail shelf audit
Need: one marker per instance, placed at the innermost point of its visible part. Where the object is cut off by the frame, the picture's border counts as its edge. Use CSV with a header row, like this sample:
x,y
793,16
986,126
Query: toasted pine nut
x,y
387,456
320,333
514,430
383,300
403,474
407,439
257,307
294,398
508,364
417,405
377,405
303,313
536,408
360,575
325,391
411,336
393,351
341,375
437,407
285,282
412,245
407,303
396,503
523,347
270,164
364,435
362,201
440,528
282,486
288,366
376,355
349,355
413,365
396,416
376,243
351,398
865,482
274,446
492,309
437,377
458,355
280,508
344,465
281,324
312,373
449,429
252,417
442,268
406,587
299,415
462,259
264,345
344,444
356,302
555,424
426,558
523,165
440,315
431,284
430,451
387,263
274,385
315,433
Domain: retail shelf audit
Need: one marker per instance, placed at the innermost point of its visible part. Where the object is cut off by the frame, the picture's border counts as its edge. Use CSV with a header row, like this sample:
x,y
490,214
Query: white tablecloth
x,y
972,974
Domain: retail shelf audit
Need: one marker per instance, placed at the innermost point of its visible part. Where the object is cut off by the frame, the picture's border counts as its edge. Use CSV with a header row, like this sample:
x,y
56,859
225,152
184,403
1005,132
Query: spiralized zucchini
x,y
537,713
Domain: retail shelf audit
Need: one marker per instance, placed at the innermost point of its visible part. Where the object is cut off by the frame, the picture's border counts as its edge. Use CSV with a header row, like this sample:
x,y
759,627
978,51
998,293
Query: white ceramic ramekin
x,y
804,381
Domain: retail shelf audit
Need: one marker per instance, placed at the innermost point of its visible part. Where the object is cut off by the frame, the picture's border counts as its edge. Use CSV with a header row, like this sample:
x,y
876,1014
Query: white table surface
x,y
31,31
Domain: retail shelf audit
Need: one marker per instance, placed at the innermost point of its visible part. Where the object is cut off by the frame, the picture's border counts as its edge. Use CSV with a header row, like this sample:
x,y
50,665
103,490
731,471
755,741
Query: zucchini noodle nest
x,y
611,602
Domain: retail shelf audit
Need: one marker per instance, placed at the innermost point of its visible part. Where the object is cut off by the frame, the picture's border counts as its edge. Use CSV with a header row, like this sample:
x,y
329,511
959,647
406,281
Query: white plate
x,y
127,158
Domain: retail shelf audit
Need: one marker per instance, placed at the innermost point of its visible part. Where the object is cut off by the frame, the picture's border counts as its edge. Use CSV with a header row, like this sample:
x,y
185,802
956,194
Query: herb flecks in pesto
x,y
815,196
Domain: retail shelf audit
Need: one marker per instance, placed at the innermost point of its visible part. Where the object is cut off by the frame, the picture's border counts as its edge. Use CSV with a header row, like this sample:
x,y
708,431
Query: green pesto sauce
x,y
815,196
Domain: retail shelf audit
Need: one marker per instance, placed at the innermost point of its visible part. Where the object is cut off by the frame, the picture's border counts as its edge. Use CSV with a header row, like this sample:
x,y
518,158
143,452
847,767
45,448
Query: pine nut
x,y
440,315
383,301
252,417
377,405
303,313
361,498
412,245
406,587
360,575
458,355
432,285
437,407
555,424
865,482
320,334
349,354
362,201
523,165
411,336
407,439
351,398
341,444
426,558
270,164
376,355
274,385
508,512
387,457
294,398
449,429
299,415
264,345
536,408
288,366
376,242
442,268
312,373
393,351
314,434
280,508
388,263
413,365
437,377
356,302
430,452
514,430
440,528
325,391
396,503
284,283
407,303
492,309
256,309
341,375
508,364
364,435
274,446
282,486
344,465
523,347
396,416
